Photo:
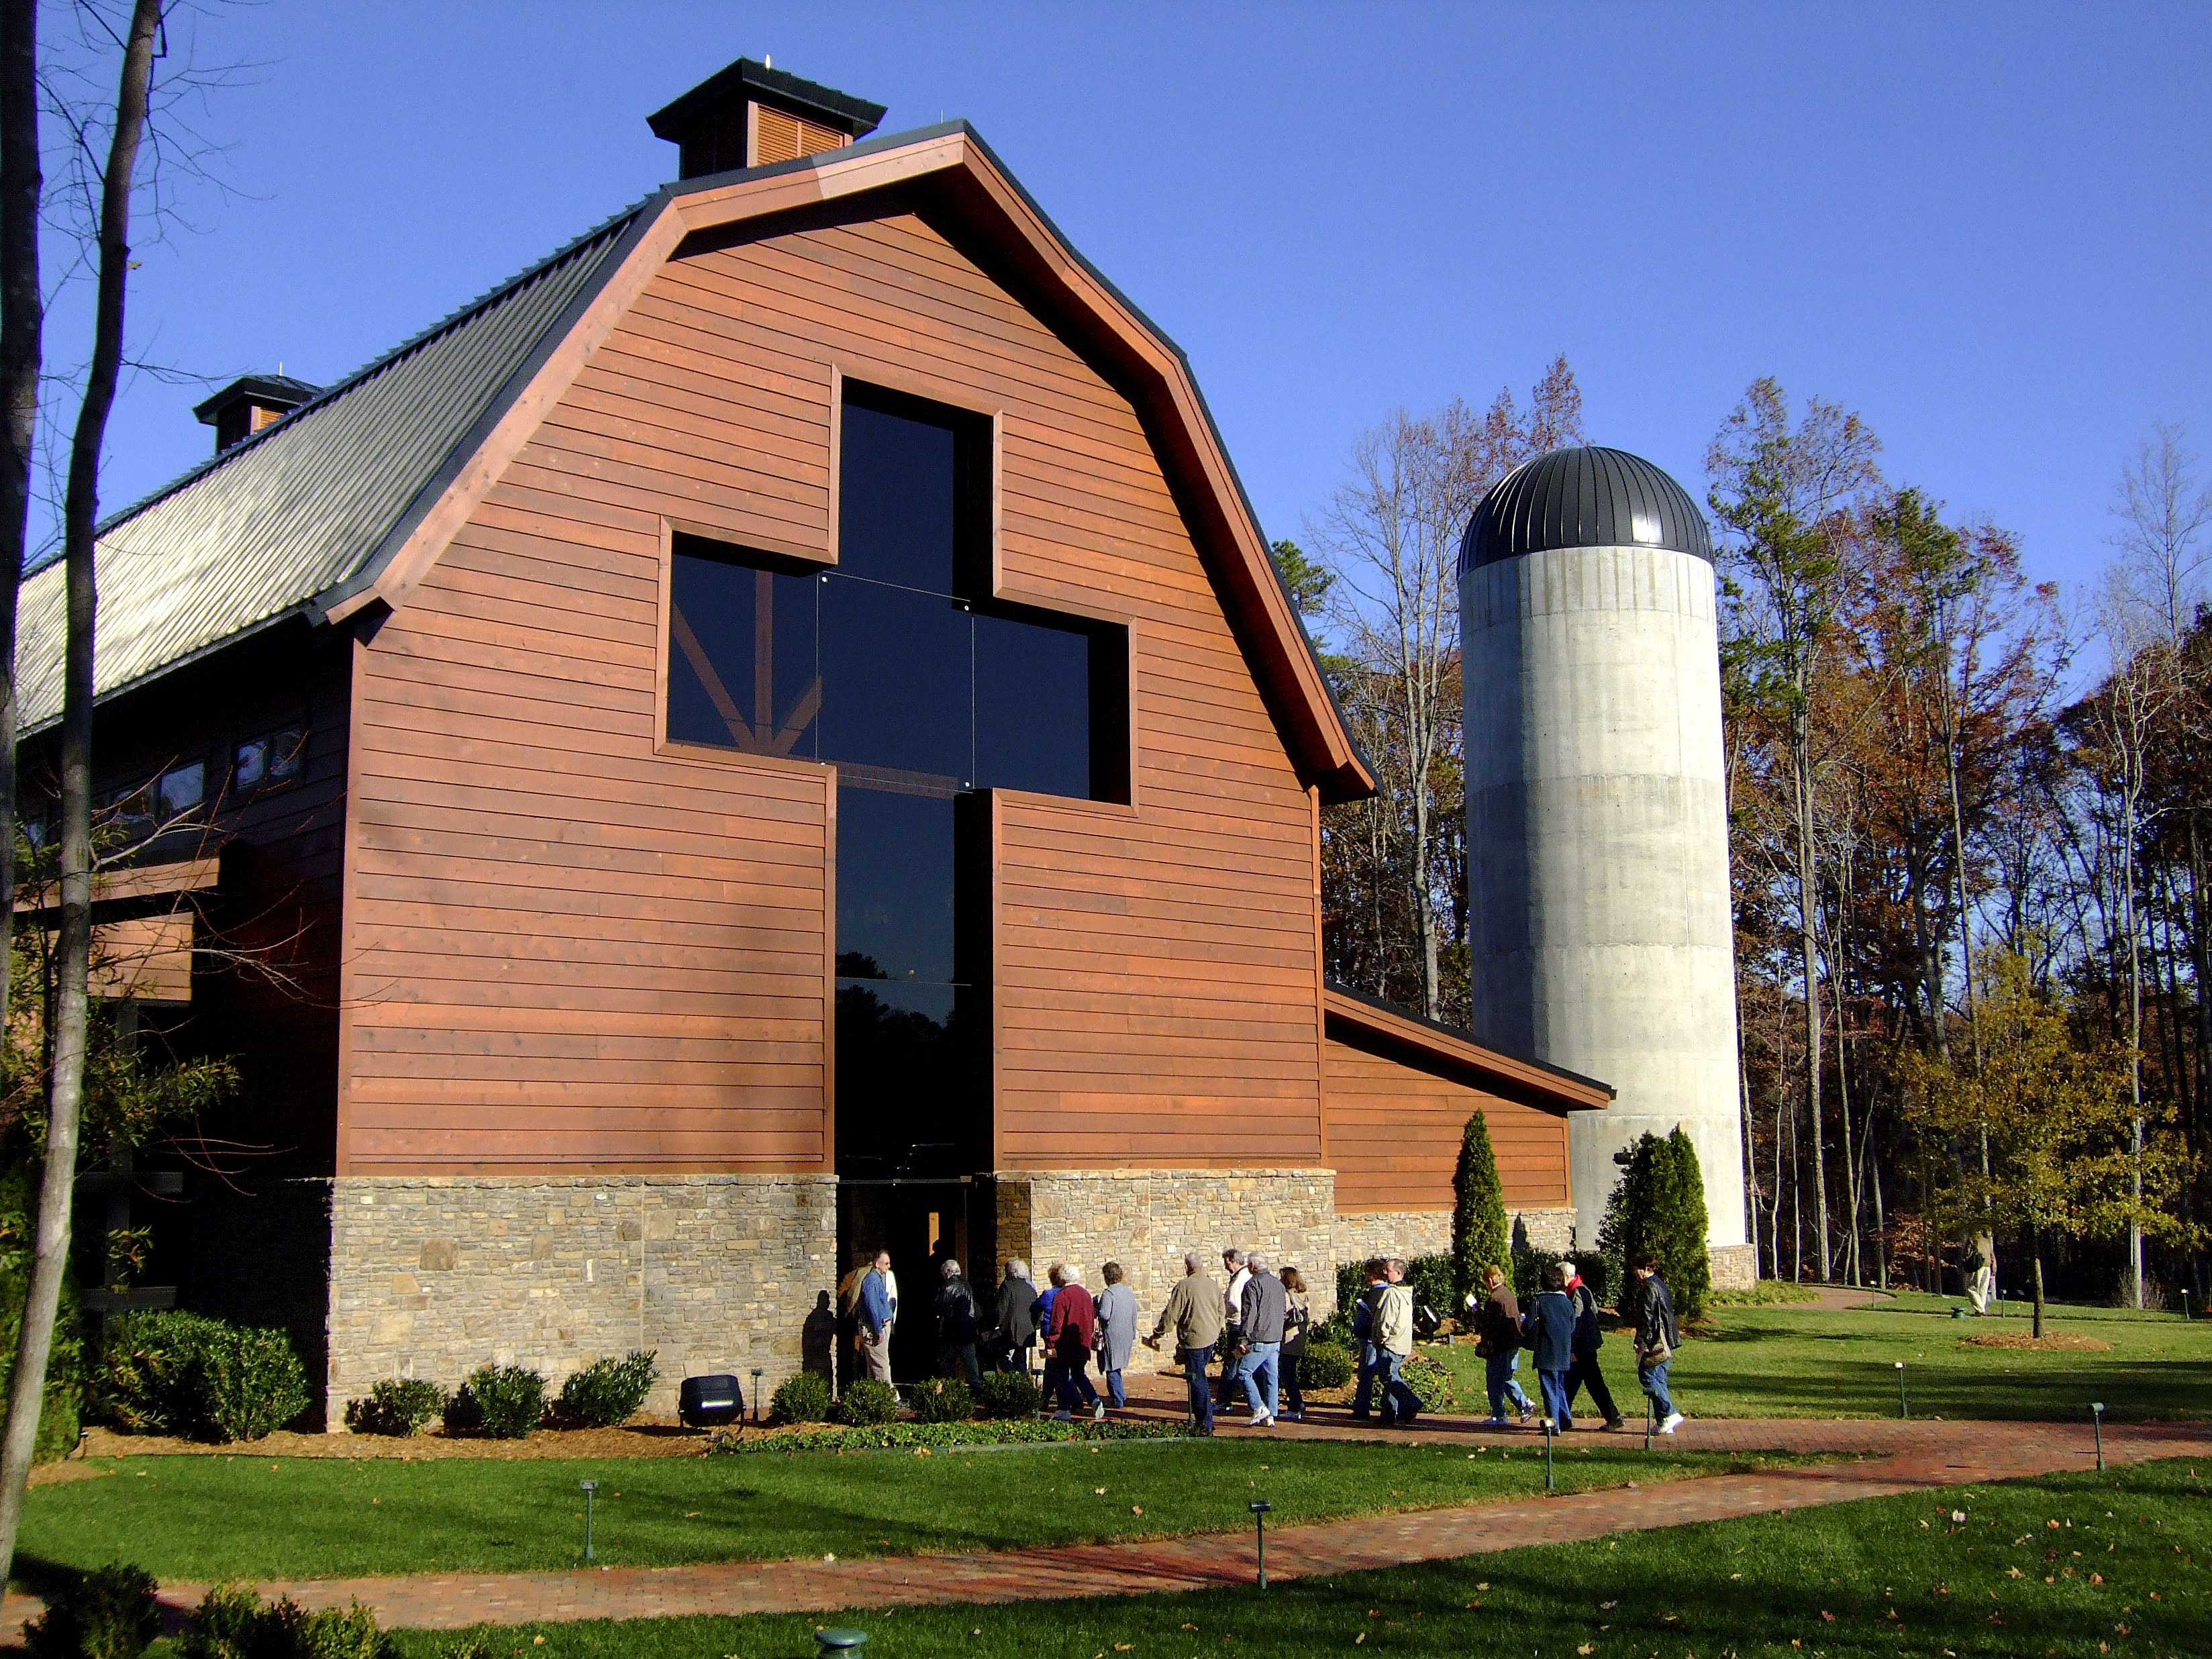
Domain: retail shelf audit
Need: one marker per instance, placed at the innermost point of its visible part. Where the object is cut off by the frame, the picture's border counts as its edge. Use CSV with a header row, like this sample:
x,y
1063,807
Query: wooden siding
x,y
1395,1129
569,945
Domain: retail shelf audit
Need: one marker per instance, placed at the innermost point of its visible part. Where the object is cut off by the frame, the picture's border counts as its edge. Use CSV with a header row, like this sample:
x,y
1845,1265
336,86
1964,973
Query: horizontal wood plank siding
x,y
1395,1130
567,949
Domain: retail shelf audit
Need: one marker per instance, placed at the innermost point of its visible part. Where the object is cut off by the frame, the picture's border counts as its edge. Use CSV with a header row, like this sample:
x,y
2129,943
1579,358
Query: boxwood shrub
x,y
1326,1365
398,1405
1010,1395
510,1401
112,1612
609,1391
941,1400
801,1399
868,1401
231,1622
171,1373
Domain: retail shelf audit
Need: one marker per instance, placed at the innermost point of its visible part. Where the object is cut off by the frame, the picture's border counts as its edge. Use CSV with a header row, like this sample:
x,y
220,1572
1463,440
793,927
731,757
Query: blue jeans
x,y
1370,1362
1497,1376
1400,1403
1260,1359
1115,1396
1556,1405
1194,1361
1066,1379
1654,1379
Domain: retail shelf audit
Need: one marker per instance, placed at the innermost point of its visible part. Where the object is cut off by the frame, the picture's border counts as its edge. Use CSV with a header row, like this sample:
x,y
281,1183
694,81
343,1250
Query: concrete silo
x,y
1597,823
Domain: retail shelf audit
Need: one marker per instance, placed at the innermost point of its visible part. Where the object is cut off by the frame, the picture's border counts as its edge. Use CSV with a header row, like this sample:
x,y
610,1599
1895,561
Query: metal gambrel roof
x,y
263,528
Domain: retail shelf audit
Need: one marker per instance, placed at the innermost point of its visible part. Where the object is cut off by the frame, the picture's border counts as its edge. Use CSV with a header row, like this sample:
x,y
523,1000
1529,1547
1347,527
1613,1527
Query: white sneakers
x,y
1098,1412
1674,1421
1266,1422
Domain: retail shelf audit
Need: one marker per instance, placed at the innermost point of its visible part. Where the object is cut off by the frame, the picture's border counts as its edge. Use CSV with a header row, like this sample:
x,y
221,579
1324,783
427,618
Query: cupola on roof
x,y
1586,496
751,115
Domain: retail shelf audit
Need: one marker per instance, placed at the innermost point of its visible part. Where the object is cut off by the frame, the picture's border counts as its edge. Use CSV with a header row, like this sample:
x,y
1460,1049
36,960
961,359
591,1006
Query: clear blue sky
x,y
1984,227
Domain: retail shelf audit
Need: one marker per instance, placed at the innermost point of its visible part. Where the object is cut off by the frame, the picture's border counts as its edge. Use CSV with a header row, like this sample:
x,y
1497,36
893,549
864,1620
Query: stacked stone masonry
x,y
433,1277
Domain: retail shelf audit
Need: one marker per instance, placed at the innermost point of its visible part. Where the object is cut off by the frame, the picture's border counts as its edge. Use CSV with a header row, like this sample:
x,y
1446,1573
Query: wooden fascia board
x,y
1571,1094
137,881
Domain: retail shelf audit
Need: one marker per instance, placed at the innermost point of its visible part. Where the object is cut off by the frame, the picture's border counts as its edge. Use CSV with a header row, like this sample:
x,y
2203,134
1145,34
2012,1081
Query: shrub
x,y
1428,1277
609,1391
1659,1206
1529,1262
510,1401
1326,1365
1481,1235
1430,1383
1009,1394
231,1623
249,1382
109,1613
1685,1261
868,1401
72,1356
463,1413
182,1373
801,1399
941,1400
927,1436
398,1404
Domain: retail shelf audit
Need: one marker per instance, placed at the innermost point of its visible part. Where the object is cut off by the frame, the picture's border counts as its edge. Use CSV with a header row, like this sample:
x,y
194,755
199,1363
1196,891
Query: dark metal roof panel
x,y
278,519
1586,496
829,106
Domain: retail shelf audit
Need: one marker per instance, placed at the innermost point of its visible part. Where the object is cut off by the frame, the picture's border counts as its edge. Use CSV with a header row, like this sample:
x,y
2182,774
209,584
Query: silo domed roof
x,y
1584,497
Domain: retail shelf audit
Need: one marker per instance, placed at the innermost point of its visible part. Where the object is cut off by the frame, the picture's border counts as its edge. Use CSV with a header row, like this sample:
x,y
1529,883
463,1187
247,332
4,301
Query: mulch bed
x,y
2056,1341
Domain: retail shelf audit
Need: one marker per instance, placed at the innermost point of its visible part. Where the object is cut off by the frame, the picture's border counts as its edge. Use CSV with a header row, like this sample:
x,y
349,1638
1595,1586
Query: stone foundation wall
x,y
433,1276
1145,1220
1547,1229
1409,1233
1736,1266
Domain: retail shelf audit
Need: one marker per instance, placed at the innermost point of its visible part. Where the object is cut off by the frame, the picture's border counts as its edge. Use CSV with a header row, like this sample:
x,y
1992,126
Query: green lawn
x,y
1878,1577
1782,1361
237,1516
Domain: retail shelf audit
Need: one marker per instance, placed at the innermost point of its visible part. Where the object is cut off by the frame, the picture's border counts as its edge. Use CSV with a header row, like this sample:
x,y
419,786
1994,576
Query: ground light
x,y
2097,1416
841,1641
1551,1428
1903,1411
588,1488
1259,1506
757,1377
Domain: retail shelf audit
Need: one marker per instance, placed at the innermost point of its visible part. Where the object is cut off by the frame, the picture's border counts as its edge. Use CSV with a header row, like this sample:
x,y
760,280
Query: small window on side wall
x,y
270,760
180,789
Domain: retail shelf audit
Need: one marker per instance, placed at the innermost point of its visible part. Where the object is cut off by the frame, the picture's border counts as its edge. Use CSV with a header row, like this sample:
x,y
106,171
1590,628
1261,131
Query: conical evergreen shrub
x,y
1681,1245
1481,1237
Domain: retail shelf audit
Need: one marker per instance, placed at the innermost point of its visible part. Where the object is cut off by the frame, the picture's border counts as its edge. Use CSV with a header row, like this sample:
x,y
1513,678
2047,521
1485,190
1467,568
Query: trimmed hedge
x,y
1481,1235
1326,1365
509,1401
930,1436
941,1400
1658,1204
231,1622
868,1401
397,1406
112,1612
171,1372
1008,1396
802,1399
609,1391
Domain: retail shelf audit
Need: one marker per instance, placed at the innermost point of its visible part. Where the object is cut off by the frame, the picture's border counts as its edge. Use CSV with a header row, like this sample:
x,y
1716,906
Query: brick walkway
x,y
1892,1458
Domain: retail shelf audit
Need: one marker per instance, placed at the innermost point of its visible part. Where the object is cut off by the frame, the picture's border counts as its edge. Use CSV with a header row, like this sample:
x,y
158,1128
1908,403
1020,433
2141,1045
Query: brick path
x,y
1891,1457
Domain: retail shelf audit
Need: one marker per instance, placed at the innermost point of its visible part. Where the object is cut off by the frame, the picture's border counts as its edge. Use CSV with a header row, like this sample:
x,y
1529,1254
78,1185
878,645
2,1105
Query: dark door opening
x,y
922,1223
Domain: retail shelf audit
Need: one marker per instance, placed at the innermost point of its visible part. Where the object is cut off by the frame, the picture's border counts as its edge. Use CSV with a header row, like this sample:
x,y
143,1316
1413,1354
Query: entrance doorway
x,y
921,1223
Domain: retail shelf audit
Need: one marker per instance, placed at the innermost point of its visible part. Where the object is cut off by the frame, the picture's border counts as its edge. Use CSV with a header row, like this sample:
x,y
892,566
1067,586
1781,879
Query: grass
x,y
1852,1581
206,1518
1780,1361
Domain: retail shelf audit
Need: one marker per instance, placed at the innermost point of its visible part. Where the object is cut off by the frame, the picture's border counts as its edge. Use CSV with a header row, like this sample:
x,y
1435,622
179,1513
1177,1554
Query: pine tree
x,y
1681,1242
1480,1239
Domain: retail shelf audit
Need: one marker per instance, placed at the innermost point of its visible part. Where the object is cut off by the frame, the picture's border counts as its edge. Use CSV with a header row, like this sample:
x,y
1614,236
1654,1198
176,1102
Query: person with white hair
x,y
955,1307
1013,1329
1232,1324
1260,1323
1193,1313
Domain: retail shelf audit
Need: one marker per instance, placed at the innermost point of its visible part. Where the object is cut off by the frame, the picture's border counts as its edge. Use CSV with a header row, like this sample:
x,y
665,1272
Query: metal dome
x,y
1584,497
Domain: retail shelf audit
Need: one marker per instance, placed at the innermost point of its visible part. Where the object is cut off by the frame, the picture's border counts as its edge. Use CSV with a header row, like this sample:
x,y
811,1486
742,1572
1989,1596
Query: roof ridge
x,y
575,245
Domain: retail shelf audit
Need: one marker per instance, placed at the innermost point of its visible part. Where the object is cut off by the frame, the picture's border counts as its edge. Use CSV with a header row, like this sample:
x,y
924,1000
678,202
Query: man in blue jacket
x,y
879,1310
1549,1328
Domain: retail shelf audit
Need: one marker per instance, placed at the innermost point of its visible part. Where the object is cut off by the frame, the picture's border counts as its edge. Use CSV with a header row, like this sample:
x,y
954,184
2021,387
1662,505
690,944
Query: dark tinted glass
x,y
1032,707
742,669
898,687
896,511
895,873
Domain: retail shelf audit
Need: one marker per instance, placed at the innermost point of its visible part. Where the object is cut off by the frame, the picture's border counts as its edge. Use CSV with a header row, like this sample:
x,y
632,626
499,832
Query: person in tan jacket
x,y
1394,1342
1193,1313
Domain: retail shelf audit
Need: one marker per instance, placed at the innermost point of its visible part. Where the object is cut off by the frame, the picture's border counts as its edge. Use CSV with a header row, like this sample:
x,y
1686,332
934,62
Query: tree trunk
x,y
22,326
2038,1287
35,1345
1808,897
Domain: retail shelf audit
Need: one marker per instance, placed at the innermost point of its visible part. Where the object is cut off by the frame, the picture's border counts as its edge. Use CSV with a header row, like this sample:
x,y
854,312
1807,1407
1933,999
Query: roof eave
x,y
1575,1092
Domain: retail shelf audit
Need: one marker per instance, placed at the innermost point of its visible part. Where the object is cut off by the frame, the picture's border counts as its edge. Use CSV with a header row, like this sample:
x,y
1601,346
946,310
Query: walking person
x,y
1550,1330
1393,1337
1297,1315
1117,1332
1377,1273
878,1312
1069,1335
1657,1337
1497,1344
1013,1329
1233,1326
1258,1352
1588,1339
954,1309
1194,1313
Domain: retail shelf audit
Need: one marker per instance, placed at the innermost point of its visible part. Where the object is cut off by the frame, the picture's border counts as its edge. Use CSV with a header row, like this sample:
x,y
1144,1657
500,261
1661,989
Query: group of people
x,y
1256,1324
1562,1332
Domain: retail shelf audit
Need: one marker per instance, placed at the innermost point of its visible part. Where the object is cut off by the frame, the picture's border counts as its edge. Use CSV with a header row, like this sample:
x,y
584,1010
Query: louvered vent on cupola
x,y
751,115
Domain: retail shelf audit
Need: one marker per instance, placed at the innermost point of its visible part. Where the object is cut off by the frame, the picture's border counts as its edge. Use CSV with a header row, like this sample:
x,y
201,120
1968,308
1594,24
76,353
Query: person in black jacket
x,y
1657,1337
954,1309
1588,1340
1013,1327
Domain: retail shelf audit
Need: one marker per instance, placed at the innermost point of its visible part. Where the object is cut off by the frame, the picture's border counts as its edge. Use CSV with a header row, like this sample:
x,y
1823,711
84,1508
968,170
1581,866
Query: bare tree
x,y
22,327
50,1261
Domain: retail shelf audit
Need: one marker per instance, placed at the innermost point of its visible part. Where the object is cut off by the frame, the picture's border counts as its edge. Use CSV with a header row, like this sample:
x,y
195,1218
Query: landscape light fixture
x,y
588,1488
2185,1307
2097,1416
1903,1411
1259,1506
757,1377
841,1641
